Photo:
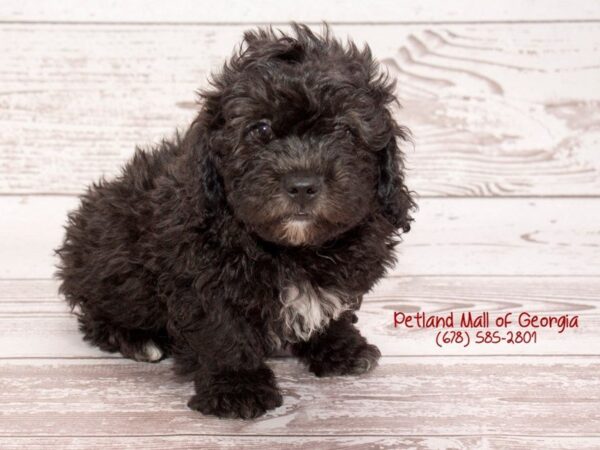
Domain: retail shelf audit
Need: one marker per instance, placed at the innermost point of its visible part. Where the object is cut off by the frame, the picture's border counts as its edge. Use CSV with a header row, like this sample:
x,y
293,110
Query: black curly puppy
x,y
262,227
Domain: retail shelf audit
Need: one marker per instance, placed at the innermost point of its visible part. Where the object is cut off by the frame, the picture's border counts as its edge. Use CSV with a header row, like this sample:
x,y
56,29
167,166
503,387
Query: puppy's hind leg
x,y
139,345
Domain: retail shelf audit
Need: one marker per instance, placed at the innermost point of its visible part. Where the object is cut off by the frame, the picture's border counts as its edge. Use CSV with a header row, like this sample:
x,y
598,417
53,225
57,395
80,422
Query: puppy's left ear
x,y
394,197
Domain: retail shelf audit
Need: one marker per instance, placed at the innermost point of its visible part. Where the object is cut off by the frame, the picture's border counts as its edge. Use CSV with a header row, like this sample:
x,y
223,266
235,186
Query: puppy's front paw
x,y
350,360
242,394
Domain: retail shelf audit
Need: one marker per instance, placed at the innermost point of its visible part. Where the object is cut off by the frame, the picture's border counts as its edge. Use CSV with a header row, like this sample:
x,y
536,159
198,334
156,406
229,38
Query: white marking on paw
x,y
151,352
306,310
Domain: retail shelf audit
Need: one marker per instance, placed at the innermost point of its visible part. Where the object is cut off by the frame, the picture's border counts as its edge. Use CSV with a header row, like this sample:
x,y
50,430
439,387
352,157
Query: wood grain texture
x,y
405,396
449,237
496,110
300,442
36,322
507,108
268,11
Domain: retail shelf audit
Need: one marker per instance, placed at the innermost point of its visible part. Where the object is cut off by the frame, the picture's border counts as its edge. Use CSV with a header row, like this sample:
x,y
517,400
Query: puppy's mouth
x,y
297,229
301,216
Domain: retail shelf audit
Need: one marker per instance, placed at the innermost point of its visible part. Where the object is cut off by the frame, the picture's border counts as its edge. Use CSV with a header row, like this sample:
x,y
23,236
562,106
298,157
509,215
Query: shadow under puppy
x,y
262,227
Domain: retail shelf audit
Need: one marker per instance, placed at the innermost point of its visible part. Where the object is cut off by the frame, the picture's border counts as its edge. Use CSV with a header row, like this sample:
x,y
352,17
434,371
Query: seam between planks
x,y
392,276
418,197
293,358
420,275
504,435
311,23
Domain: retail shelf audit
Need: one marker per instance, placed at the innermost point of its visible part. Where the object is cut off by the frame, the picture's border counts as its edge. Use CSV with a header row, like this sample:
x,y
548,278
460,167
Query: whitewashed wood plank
x,y
540,294
404,396
496,110
300,442
449,237
53,336
31,228
42,326
498,296
50,337
265,11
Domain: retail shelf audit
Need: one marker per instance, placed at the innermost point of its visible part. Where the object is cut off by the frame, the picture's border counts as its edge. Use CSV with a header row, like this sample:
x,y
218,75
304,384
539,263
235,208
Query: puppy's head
x,y
297,138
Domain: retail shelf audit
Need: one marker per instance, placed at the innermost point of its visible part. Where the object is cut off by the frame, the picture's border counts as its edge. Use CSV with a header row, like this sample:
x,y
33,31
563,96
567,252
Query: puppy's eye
x,y
262,131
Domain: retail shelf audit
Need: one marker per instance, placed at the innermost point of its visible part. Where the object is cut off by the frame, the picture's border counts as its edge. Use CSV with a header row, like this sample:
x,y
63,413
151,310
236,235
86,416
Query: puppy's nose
x,y
302,187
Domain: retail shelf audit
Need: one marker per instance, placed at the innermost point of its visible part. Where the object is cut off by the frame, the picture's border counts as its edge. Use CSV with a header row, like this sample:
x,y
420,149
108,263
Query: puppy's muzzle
x,y
302,187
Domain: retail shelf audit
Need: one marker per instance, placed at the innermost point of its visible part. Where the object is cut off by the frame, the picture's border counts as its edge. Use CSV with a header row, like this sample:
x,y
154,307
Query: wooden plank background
x,y
503,100
416,396
86,95
467,236
36,322
312,11
304,443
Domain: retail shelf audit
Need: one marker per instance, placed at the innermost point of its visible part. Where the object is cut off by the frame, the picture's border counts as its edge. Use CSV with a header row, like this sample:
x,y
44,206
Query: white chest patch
x,y
307,309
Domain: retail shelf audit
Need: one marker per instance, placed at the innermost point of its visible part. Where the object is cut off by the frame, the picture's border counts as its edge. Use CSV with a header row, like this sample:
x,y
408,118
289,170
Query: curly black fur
x,y
197,250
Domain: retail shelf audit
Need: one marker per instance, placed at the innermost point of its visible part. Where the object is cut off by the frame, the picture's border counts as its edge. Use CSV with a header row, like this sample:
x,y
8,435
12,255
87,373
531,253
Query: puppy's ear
x,y
211,180
395,199
199,138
